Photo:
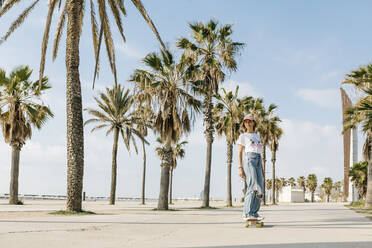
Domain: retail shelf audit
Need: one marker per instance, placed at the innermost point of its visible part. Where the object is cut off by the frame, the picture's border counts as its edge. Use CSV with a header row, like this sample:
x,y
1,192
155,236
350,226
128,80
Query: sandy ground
x,y
129,224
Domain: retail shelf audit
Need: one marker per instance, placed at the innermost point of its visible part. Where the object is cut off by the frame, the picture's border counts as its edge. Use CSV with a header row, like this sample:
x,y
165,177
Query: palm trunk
x,y
170,185
273,161
208,120
312,196
164,180
143,171
327,198
369,185
14,174
229,162
75,134
263,172
114,167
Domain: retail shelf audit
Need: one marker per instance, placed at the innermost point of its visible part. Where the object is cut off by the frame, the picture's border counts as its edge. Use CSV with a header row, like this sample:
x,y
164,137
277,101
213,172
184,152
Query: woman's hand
x,y
241,173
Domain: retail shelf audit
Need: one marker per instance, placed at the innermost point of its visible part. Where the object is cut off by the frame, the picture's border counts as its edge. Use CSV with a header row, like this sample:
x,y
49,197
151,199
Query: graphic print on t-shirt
x,y
251,142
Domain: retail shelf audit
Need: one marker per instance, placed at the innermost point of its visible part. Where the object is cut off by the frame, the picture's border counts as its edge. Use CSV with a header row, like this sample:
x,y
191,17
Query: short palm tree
x,y
358,174
338,187
228,114
73,12
115,114
166,81
275,133
312,184
292,182
177,152
302,182
21,109
361,113
211,51
327,186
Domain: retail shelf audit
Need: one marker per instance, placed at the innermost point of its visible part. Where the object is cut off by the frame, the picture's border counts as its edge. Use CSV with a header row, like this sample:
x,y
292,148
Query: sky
x,y
296,55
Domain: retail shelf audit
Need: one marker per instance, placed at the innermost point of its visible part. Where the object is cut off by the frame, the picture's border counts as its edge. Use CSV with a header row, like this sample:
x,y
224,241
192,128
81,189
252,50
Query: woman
x,y
251,172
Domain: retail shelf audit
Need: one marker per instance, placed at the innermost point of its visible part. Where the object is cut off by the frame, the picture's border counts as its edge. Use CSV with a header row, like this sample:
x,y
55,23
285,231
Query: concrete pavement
x,y
132,225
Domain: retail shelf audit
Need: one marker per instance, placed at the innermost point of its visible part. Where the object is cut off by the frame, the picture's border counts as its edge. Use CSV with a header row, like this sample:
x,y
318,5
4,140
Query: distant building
x,y
350,151
291,194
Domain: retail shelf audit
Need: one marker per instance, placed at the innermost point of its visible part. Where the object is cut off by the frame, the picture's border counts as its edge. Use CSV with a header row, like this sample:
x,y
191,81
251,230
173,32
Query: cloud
x,y
129,51
328,98
245,89
308,147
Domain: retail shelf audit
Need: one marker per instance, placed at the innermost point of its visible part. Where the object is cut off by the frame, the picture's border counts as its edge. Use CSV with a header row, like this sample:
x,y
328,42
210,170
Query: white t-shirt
x,y
251,142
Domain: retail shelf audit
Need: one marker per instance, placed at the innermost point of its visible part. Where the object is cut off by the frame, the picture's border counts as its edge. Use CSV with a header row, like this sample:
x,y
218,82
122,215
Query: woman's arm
x,y
240,159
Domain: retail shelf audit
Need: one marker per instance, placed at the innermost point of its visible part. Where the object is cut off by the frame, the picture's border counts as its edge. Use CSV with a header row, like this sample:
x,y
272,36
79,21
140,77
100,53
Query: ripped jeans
x,y
253,183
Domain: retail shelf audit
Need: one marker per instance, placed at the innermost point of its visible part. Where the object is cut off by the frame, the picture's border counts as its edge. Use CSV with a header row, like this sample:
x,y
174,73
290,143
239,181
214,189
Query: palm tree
x,y
278,187
283,181
114,114
166,81
177,152
265,120
337,187
292,181
228,114
311,184
358,174
327,186
73,12
22,108
145,114
302,183
361,113
211,52
275,134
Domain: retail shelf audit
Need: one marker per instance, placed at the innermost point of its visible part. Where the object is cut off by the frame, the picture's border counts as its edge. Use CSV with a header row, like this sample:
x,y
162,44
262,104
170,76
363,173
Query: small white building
x,y
291,194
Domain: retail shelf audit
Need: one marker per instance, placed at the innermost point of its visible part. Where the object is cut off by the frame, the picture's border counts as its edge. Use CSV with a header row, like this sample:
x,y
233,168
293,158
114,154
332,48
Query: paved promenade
x,y
132,225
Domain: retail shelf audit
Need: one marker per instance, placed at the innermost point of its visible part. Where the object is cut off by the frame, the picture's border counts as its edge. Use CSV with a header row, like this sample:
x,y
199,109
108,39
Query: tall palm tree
x,y
361,113
358,174
73,13
211,51
145,114
22,109
275,133
292,181
312,184
327,186
302,182
228,114
265,120
174,108
114,114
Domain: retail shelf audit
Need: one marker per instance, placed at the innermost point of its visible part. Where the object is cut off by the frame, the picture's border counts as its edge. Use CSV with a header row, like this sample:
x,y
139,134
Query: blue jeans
x,y
254,183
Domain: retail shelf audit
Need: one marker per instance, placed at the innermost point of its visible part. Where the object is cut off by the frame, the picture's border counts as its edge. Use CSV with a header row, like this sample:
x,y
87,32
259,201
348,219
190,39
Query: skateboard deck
x,y
254,223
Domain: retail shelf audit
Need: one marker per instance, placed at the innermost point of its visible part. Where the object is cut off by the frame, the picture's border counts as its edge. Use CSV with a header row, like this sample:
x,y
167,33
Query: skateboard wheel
x,y
259,225
246,225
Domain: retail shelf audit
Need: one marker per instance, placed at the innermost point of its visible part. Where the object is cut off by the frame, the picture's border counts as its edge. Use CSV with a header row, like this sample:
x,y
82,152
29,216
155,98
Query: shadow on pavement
x,y
300,245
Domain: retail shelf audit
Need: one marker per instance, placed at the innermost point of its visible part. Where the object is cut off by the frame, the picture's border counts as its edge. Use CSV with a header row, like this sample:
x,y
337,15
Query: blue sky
x,y
296,55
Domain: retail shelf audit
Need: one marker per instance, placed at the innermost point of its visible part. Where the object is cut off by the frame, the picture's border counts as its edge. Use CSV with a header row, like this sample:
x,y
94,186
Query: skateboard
x,y
254,223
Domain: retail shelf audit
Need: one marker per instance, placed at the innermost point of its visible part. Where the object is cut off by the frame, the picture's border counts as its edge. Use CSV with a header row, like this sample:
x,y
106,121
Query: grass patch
x,y
206,208
358,207
64,212
169,209
357,204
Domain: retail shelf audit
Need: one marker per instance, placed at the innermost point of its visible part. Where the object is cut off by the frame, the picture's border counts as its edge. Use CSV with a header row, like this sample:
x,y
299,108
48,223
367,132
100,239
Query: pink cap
x,y
249,117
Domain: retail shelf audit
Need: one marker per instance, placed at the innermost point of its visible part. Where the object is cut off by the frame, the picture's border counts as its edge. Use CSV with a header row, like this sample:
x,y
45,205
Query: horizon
x,y
296,56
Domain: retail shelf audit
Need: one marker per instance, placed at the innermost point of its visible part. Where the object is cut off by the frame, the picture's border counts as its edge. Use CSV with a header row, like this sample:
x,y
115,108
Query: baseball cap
x,y
249,117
